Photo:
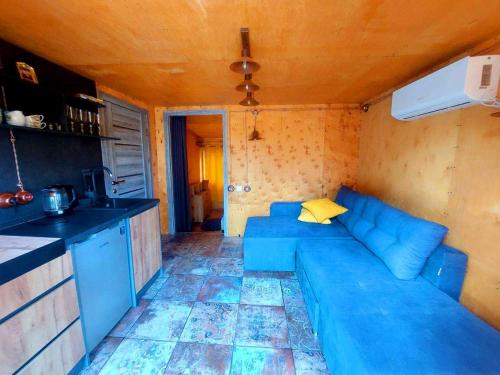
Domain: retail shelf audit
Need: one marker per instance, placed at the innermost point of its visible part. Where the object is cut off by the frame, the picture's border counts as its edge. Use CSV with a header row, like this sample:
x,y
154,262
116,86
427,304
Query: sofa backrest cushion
x,y
445,269
402,241
351,200
290,209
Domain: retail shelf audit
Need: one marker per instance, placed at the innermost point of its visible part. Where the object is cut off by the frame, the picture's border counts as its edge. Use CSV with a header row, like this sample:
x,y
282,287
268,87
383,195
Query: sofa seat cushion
x,y
290,227
345,273
270,242
445,340
339,263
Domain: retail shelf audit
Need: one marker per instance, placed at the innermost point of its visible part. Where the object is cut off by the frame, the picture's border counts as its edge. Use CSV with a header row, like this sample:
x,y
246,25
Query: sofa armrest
x,y
445,269
291,209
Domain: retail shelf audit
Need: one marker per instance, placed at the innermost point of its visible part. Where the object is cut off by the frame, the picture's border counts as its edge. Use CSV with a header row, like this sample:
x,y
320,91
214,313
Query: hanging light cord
x,y
13,141
246,144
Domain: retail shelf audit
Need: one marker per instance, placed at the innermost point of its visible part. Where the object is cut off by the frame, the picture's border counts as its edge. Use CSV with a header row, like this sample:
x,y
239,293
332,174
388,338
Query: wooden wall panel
x,y
409,164
474,210
306,152
444,168
24,288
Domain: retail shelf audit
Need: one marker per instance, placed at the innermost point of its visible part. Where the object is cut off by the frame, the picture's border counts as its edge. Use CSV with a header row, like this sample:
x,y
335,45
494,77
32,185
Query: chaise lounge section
x,y
380,289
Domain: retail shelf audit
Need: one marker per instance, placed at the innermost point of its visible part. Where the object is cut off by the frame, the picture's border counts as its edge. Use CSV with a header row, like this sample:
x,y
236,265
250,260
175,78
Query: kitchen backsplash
x,y
44,159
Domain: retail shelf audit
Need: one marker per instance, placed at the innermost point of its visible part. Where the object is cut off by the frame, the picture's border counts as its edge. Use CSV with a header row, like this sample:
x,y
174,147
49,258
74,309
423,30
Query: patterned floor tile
x,y
300,330
199,359
101,354
169,262
262,361
181,288
261,291
126,323
231,251
271,274
177,248
193,265
292,295
137,357
161,320
155,287
208,250
211,323
221,289
227,267
236,241
263,326
309,363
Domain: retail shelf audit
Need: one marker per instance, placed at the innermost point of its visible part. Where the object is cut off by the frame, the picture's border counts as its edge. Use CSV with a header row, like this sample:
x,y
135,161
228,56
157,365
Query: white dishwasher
x,y
102,272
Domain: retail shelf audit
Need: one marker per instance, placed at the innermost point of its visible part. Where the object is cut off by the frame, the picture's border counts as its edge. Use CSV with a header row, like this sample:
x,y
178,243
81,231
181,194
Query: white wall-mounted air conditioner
x,y
469,81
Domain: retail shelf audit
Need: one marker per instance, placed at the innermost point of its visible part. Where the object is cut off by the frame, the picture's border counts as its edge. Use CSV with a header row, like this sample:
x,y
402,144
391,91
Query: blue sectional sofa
x,y
380,288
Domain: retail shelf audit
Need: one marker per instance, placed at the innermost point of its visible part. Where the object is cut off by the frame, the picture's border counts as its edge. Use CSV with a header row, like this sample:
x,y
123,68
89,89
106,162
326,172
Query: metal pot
x,y
58,200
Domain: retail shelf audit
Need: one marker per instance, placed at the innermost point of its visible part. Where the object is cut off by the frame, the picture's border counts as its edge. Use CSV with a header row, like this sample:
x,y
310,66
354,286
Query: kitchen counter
x,y
20,254
75,227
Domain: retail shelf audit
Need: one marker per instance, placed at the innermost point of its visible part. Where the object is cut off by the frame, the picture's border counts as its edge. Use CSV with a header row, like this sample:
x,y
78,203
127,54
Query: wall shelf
x,y
54,132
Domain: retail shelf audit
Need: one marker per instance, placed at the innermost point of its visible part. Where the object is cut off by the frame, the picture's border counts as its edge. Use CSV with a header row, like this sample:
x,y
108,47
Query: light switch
x,y
238,188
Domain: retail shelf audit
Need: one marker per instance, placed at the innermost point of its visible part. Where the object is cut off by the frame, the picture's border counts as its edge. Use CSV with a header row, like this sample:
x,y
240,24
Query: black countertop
x,y
74,227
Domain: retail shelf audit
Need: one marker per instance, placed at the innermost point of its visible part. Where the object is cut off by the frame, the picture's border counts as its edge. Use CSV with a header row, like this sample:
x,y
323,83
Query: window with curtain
x,y
212,162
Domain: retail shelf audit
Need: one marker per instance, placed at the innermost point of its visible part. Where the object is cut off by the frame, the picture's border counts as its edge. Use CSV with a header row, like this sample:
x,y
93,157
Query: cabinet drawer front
x,y
32,284
146,246
34,327
60,356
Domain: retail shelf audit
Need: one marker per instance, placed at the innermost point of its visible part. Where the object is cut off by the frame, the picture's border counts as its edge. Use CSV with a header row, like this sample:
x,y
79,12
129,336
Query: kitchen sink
x,y
123,204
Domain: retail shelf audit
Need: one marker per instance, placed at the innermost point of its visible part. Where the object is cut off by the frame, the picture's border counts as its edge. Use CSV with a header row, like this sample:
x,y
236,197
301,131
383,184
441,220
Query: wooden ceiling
x,y
205,126
177,52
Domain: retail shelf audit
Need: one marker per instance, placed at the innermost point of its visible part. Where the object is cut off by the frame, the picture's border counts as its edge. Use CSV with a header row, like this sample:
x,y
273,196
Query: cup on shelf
x,y
35,121
16,118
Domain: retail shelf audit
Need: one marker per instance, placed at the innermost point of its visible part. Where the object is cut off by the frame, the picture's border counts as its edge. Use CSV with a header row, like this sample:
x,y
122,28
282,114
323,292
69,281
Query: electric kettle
x,y
58,200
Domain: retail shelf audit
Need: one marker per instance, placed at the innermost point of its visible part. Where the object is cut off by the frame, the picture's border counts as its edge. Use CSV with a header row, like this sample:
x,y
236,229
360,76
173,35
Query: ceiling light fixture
x,y
249,100
247,67
247,85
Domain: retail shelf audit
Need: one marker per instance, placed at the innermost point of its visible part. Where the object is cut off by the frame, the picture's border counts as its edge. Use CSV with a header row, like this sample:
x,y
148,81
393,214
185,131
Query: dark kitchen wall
x,y
44,158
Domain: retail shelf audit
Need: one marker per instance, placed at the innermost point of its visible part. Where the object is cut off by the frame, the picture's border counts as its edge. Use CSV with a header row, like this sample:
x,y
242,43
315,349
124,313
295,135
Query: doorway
x,y
196,168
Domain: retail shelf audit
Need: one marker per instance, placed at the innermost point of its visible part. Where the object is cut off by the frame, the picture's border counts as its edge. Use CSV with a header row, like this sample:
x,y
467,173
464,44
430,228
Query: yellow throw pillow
x,y
307,217
323,208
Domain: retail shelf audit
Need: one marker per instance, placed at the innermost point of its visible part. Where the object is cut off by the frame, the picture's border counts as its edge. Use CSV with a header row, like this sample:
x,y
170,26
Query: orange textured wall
x,y
445,168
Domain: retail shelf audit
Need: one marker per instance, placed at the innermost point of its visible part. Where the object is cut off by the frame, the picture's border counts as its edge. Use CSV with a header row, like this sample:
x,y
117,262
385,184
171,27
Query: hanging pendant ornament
x,y
22,196
255,136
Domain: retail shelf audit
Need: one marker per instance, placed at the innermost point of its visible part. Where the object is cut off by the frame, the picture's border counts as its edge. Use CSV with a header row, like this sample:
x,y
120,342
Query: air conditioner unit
x,y
469,81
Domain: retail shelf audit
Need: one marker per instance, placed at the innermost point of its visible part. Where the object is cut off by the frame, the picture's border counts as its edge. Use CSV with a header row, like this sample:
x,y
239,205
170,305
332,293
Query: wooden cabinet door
x,y
27,332
146,246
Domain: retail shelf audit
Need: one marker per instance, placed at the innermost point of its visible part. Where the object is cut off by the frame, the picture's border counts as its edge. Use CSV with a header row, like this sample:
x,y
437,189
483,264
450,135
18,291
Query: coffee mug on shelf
x,y
15,118
35,121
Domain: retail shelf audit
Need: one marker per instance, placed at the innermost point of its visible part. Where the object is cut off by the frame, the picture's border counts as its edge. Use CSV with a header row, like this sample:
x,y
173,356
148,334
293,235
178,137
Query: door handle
x,y
117,182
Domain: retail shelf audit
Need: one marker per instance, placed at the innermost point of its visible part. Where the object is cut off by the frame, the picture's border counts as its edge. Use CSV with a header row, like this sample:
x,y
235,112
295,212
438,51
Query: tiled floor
x,y
204,316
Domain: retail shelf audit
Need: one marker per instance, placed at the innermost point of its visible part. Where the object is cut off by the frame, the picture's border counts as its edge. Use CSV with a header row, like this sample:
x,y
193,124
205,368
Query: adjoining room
x,y
250,187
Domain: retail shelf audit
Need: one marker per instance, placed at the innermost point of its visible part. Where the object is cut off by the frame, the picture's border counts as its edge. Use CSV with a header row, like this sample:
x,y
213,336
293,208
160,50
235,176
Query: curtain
x,y
213,171
182,206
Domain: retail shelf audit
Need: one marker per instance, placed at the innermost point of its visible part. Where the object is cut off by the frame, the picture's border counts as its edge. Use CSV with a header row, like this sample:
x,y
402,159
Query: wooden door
x,y
129,158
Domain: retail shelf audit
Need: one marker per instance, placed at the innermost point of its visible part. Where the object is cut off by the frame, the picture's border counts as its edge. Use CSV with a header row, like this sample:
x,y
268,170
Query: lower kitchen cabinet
x,y
40,331
146,246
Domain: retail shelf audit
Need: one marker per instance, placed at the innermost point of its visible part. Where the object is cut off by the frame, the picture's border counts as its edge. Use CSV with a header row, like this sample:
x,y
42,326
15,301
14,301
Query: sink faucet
x,y
91,189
